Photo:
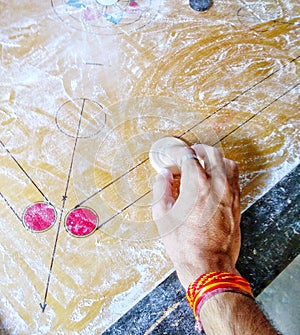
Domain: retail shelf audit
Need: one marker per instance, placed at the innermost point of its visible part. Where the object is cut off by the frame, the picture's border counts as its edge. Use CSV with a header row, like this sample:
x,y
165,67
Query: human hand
x,y
200,229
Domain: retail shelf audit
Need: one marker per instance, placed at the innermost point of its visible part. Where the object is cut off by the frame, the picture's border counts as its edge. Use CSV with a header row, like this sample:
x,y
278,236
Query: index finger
x,y
213,160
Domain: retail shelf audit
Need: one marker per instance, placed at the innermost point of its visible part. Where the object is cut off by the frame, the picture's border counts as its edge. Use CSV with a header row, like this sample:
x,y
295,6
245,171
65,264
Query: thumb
x,y
162,194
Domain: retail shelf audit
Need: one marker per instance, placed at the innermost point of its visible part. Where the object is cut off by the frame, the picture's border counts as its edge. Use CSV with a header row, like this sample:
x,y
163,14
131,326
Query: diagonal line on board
x,y
10,207
239,95
112,182
259,112
64,199
124,209
24,171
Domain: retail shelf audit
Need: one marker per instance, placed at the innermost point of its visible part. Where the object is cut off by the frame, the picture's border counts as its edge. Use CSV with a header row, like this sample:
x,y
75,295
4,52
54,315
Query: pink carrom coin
x,y
81,222
39,217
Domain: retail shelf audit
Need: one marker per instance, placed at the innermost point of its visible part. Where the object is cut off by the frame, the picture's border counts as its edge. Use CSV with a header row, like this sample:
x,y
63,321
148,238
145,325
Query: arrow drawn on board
x,y
43,305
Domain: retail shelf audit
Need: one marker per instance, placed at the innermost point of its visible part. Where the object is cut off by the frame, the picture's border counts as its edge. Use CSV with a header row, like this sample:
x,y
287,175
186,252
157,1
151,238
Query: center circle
x,y
107,2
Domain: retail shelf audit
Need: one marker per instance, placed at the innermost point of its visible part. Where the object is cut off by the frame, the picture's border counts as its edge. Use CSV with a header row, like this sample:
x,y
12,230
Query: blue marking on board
x,y
76,3
113,19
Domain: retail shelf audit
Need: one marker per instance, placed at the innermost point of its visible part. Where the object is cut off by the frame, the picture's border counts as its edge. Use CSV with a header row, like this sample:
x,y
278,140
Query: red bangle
x,y
210,284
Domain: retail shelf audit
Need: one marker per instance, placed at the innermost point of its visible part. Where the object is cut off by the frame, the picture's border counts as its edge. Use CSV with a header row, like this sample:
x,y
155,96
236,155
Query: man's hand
x,y
200,229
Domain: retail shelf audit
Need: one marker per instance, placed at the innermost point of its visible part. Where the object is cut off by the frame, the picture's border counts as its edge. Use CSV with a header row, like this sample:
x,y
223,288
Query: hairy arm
x,y
234,314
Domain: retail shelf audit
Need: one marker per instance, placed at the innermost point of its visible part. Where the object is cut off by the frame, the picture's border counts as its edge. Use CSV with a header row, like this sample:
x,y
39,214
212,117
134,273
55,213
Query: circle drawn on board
x,y
259,12
81,222
39,217
106,16
90,114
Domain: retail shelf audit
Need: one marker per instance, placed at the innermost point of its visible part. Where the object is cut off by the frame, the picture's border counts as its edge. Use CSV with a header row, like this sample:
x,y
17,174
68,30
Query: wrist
x,y
188,272
218,263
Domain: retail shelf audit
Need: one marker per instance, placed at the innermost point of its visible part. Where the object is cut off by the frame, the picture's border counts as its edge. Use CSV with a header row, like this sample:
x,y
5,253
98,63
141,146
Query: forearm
x,y
234,314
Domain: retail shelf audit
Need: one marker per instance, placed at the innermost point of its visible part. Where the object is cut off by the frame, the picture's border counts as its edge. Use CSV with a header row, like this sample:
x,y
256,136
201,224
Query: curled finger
x,y
162,194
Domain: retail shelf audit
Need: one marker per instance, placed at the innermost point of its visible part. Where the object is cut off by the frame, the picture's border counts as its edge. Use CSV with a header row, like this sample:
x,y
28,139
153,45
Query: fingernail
x,y
187,157
195,144
166,173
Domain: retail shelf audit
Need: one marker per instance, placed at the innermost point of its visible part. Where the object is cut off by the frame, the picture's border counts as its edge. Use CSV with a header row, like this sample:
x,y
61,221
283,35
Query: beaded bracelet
x,y
210,284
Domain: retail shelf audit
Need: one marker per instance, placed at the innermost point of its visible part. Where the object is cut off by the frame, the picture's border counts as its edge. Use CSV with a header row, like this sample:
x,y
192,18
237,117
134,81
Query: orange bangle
x,y
210,284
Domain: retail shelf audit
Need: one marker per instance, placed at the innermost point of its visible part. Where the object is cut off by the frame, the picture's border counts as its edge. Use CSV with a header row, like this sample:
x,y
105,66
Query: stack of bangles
x,y
210,284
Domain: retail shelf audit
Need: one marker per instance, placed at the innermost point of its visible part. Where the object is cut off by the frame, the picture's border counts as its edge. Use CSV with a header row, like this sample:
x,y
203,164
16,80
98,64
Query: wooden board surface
x,y
85,90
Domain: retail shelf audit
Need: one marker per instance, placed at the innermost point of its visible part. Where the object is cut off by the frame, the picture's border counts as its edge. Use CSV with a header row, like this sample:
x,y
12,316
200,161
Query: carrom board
x,y
86,87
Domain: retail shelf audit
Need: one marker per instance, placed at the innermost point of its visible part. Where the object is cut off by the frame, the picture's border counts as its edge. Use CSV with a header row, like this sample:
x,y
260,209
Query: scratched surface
x,y
86,87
